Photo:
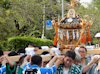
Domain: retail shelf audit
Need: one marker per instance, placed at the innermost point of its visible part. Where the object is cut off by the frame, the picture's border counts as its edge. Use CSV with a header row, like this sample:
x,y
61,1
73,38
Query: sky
x,y
83,2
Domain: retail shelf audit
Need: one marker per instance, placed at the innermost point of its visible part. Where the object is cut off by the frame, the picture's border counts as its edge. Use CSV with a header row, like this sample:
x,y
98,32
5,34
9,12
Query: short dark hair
x,y
13,53
51,44
38,46
36,59
21,59
83,47
45,52
1,52
21,50
71,54
32,44
55,46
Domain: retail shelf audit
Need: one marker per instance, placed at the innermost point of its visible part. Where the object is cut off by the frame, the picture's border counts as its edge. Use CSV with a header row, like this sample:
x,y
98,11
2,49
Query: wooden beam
x,y
89,51
44,58
15,58
48,57
94,51
64,51
40,51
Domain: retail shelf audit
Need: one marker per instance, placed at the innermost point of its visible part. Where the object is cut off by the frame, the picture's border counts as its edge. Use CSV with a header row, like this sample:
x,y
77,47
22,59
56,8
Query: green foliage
x,y
96,3
29,14
15,43
94,41
50,34
68,0
6,4
3,45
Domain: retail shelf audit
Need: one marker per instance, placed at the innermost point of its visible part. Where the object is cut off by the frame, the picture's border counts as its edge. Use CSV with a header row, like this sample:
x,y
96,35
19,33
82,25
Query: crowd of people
x,y
30,63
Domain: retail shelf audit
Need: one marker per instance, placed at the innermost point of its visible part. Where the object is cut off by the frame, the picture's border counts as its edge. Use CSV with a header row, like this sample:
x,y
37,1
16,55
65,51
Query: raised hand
x,y
59,61
4,61
1,59
27,58
95,58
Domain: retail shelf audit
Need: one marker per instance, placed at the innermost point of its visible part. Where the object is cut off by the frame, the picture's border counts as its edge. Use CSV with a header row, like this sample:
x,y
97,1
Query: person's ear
x,y
31,63
40,65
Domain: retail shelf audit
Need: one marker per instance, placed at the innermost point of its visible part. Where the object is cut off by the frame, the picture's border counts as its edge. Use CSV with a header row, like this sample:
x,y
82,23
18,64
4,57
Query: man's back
x,y
50,70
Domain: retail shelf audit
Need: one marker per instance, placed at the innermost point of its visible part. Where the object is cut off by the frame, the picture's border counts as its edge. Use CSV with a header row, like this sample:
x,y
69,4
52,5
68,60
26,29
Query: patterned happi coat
x,y
72,70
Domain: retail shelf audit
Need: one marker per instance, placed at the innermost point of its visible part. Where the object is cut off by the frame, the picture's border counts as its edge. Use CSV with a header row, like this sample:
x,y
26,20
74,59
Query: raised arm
x,y
52,61
27,58
3,66
99,64
57,60
10,61
93,60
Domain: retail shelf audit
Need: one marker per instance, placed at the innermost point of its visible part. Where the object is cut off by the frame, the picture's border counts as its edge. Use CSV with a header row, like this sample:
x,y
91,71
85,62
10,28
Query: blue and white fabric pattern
x,y
51,70
3,69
